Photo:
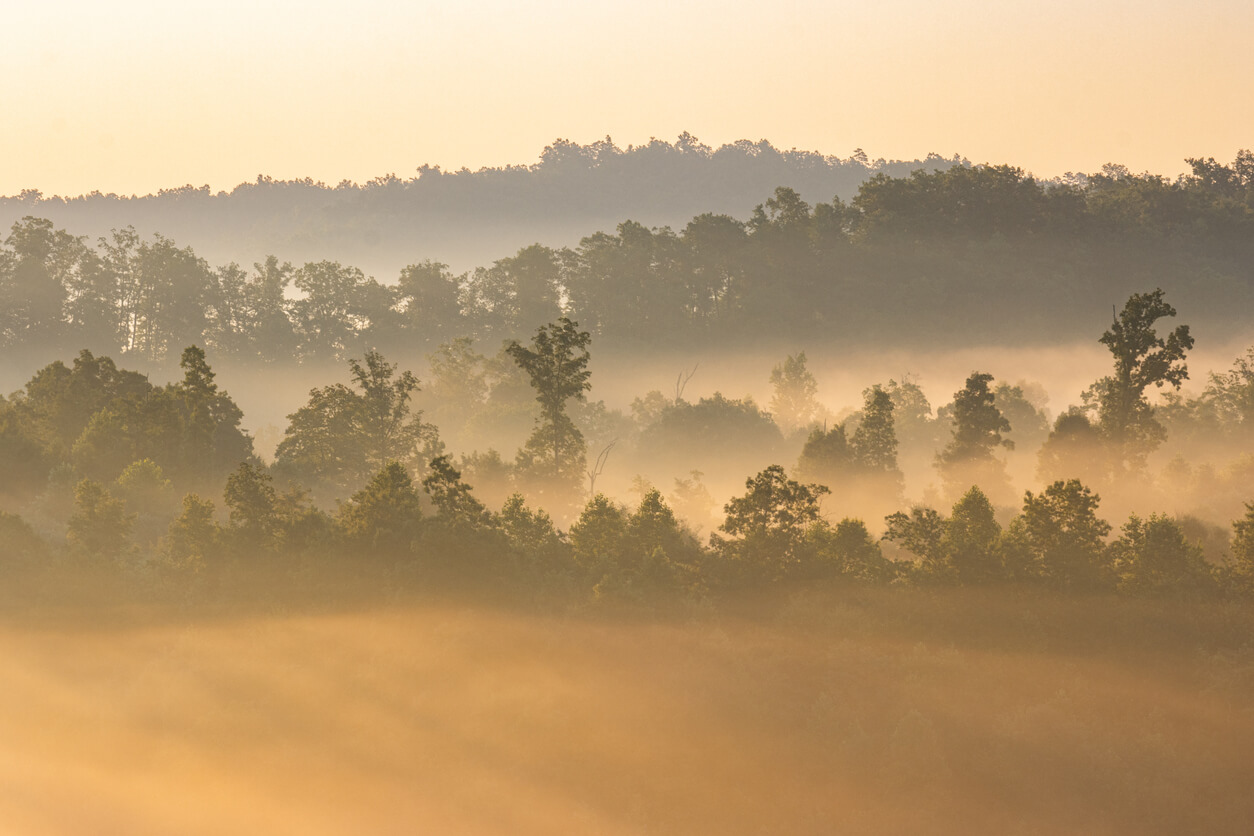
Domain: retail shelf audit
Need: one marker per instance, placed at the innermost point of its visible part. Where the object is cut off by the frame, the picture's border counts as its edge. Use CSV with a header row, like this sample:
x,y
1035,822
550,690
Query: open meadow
x,y
827,710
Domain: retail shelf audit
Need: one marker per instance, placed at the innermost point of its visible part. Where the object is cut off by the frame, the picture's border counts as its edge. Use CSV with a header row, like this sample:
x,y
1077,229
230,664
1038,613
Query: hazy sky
x,y
131,96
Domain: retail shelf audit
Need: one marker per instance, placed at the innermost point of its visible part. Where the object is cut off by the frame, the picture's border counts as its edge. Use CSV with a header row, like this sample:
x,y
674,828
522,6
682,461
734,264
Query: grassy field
x,y
826,711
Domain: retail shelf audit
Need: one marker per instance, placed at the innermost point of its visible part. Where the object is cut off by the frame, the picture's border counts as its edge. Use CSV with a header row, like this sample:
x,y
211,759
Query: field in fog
x,y
885,711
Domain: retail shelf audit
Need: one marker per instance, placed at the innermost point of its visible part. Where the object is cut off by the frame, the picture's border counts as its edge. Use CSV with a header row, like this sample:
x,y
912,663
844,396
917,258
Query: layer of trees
x,y
103,454
931,258
465,217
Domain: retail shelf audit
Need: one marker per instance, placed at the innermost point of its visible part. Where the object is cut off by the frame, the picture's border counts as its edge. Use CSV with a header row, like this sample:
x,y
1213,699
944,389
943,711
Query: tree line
x,y
104,454
465,216
921,259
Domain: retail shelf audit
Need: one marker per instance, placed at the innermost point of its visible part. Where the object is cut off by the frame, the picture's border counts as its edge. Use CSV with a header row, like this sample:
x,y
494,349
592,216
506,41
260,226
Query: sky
x,y
132,96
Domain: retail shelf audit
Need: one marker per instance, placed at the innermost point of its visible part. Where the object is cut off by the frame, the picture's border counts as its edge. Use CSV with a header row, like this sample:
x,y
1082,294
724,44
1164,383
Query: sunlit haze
x,y
135,96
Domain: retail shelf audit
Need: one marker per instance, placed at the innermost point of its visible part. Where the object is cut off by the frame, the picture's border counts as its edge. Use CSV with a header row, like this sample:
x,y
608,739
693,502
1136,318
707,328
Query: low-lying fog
x,y
876,711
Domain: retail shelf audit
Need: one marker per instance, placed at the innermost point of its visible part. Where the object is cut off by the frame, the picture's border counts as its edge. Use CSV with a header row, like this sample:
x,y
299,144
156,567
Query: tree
x,y
384,516
456,506
972,539
875,439
342,436
327,321
557,364
533,536
1152,556
597,537
1074,450
34,276
862,473
1066,536
849,550
922,533
100,527
793,403
23,547
253,504
193,537
1243,549
769,525
1142,359
212,439
978,426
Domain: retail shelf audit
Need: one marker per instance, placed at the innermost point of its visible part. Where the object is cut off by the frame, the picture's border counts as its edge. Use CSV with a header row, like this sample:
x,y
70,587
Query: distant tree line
x,y
933,257
104,455
464,216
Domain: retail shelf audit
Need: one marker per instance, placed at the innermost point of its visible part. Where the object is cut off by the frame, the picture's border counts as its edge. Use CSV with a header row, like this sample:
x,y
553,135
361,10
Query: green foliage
x,y
978,426
194,538
1022,405
653,560
253,504
557,364
1074,450
875,439
1142,358
100,527
685,436
455,506
1243,549
25,464
793,404
144,488
972,540
769,525
382,519
922,533
849,551
1152,556
597,537
544,551
1065,536
341,436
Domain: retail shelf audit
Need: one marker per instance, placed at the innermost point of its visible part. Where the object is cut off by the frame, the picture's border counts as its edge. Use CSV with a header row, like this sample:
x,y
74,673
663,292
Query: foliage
x,y
1065,536
100,527
194,538
769,525
557,363
343,435
1142,359
978,426
1153,556
382,519
922,533
793,404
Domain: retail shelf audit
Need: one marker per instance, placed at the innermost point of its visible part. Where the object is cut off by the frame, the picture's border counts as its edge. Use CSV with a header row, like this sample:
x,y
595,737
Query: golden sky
x,y
134,96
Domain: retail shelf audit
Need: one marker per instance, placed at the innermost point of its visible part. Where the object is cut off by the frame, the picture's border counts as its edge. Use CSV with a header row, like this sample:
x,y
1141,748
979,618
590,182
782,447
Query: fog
x,y
870,516
879,712
1059,374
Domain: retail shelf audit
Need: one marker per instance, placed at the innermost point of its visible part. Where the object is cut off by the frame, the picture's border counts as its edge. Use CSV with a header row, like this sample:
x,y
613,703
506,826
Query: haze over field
x,y
502,418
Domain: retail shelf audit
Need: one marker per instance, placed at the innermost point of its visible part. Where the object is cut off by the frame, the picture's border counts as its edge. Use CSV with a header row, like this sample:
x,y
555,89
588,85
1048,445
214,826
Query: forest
x,y
122,476
465,217
295,549
960,255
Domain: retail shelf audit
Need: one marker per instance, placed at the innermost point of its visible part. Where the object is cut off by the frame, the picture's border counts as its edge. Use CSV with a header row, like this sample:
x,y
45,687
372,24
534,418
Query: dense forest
x,y
478,560
468,217
965,255
96,459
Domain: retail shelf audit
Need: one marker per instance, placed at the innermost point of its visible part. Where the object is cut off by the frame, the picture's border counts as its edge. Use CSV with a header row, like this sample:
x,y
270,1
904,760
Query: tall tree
x,y
793,402
557,363
344,435
1065,536
1142,358
978,426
